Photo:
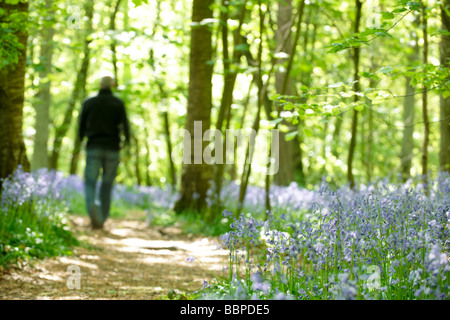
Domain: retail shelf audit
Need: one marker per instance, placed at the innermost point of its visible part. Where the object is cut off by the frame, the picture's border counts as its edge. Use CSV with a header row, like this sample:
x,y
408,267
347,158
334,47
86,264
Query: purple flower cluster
x,y
289,199
145,196
402,231
42,187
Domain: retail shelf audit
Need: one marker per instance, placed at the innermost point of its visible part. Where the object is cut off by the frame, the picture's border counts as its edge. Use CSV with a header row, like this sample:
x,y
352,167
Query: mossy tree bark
x,y
196,175
444,154
12,92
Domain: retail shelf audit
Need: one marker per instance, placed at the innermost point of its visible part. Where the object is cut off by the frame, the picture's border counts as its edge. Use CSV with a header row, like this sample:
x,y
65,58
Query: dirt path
x,y
129,260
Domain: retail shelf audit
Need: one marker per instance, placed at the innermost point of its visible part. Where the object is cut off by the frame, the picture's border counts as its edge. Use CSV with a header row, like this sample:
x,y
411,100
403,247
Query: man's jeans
x,y
97,159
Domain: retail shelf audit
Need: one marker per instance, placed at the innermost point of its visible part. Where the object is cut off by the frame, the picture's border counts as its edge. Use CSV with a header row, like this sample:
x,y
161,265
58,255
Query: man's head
x,y
107,82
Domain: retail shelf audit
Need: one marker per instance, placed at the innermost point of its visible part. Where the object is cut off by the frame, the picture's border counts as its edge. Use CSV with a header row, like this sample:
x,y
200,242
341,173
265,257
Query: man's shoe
x,y
95,218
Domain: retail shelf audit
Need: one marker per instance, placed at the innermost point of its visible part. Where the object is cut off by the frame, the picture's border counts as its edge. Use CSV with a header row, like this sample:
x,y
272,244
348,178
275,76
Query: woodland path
x,y
128,260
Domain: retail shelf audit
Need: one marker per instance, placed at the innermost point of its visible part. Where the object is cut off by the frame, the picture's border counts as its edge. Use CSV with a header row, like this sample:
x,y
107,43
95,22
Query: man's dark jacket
x,y
101,120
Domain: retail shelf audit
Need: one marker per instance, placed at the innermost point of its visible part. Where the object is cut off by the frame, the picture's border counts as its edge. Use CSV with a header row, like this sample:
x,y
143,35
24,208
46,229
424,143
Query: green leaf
x,y
366,74
372,95
413,5
307,132
336,47
359,107
291,135
336,85
137,3
383,34
446,94
386,70
275,96
399,10
241,47
275,121
288,106
387,15
441,32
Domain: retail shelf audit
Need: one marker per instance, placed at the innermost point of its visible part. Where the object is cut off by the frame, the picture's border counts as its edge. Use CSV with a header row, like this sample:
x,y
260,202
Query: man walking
x,y
102,119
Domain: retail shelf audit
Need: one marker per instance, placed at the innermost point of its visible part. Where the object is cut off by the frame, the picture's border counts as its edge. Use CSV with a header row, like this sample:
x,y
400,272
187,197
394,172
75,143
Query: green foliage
x,y
139,2
153,59
11,22
26,233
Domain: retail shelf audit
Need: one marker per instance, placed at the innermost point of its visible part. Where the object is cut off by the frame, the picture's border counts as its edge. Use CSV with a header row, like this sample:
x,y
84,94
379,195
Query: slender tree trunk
x,y
166,123
409,105
61,131
367,148
408,131
286,172
196,175
262,92
444,154
234,167
172,171
146,144
12,91
76,150
285,86
356,88
164,95
249,154
425,100
230,75
369,157
252,62
112,27
75,155
137,169
42,105
76,141
336,136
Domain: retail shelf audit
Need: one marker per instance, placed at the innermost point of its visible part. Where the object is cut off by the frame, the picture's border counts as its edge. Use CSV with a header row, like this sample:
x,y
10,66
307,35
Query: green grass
x,y
30,230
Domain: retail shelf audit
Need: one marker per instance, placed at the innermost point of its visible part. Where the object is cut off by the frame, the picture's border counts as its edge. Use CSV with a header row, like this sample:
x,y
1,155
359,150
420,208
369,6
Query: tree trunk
x,y
285,85
444,154
172,172
76,151
61,131
12,91
408,131
164,114
112,27
75,155
137,169
42,105
249,154
196,175
336,136
230,75
425,100
367,148
356,88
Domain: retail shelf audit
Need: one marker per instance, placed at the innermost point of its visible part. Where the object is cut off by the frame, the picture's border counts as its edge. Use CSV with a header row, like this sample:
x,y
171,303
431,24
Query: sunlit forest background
x,y
359,91
145,44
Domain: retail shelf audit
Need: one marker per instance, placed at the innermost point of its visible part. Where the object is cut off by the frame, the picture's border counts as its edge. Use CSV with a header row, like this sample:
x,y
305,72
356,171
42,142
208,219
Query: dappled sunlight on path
x,y
128,260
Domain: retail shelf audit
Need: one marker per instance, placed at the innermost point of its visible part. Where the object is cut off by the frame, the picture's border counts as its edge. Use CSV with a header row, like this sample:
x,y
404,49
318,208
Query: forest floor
x,y
128,260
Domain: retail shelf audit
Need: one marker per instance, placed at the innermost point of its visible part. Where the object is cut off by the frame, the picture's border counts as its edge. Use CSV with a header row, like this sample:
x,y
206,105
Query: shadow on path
x,y
129,260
